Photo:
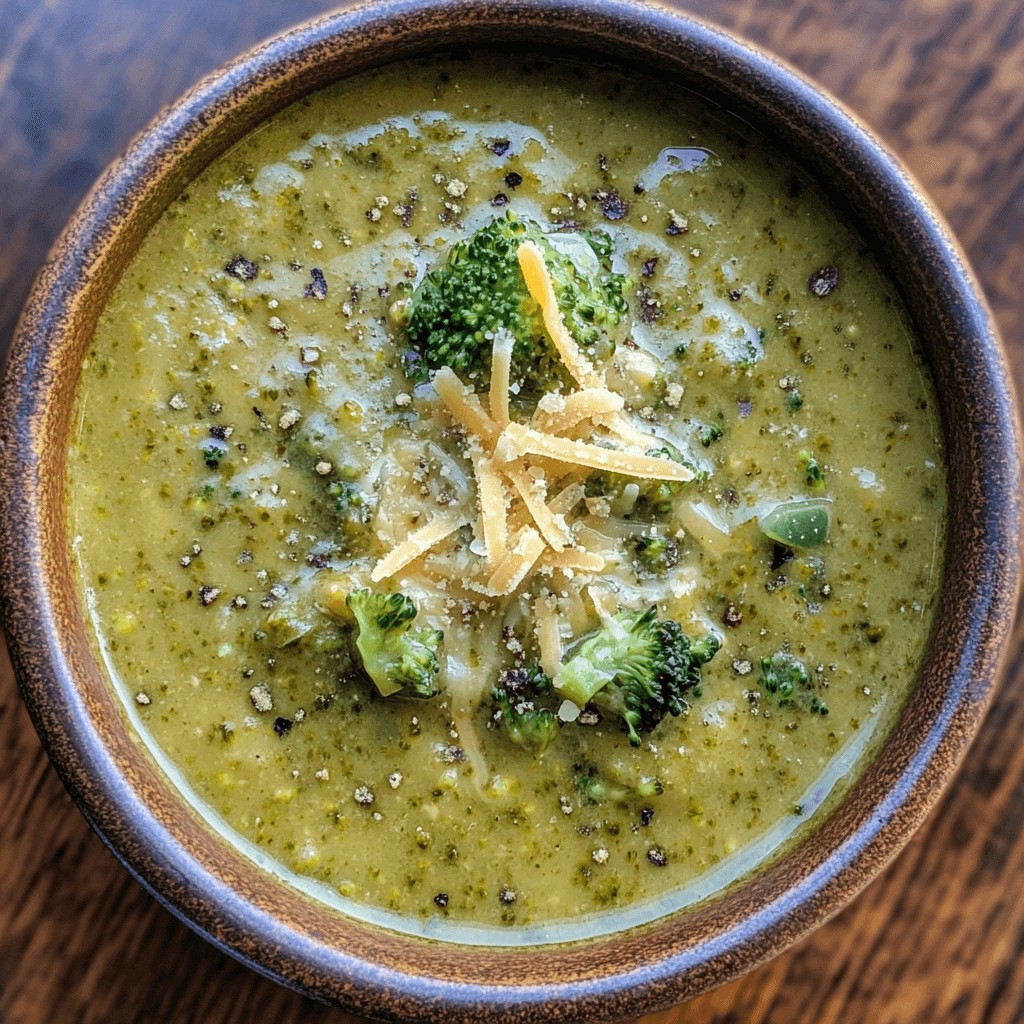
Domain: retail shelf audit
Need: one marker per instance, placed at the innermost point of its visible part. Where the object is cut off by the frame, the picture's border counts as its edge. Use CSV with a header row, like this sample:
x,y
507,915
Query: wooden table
x,y
939,937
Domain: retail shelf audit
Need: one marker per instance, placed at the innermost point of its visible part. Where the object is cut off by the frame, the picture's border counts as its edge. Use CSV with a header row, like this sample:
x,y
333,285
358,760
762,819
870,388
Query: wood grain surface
x,y
939,936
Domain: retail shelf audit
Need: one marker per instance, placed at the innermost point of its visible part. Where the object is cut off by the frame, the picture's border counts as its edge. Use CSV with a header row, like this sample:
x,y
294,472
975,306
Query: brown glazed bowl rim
x,y
307,945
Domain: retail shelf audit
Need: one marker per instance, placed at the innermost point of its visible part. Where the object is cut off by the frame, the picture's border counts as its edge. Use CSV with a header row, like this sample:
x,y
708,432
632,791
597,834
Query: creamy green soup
x,y
260,436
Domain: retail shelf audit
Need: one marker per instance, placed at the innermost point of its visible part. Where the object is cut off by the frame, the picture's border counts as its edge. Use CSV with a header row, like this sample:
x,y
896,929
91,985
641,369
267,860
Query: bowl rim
x,y
361,967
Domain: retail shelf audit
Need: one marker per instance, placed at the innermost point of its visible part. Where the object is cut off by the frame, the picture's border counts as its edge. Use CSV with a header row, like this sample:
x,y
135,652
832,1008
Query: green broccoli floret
x,y
638,668
708,435
794,400
787,683
455,311
526,722
655,555
814,478
395,656
596,791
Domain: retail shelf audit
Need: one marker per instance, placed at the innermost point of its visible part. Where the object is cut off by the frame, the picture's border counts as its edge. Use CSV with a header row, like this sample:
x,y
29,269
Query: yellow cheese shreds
x,y
579,453
417,543
605,603
492,510
575,558
538,283
548,628
516,565
463,403
550,529
577,406
617,424
567,498
501,365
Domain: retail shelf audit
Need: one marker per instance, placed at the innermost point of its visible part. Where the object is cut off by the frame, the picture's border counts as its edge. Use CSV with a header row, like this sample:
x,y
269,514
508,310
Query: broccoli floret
x,y
455,310
395,656
708,435
814,478
527,724
637,667
596,791
655,555
787,683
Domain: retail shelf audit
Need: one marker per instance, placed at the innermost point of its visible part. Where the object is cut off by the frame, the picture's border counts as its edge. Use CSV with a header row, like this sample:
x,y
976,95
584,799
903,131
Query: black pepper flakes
x,y
649,309
732,616
657,856
441,899
613,206
317,288
507,896
207,595
602,162
499,147
513,179
243,269
646,816
500,200
649,266
823,281
282,725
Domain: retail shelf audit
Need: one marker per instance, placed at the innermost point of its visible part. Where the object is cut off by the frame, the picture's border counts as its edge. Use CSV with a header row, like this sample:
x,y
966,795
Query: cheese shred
x,y
417,543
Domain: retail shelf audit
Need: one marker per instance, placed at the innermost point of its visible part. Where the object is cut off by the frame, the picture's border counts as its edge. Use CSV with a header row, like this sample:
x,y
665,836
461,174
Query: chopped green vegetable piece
x,y
798,524
814,478
395,656
787,683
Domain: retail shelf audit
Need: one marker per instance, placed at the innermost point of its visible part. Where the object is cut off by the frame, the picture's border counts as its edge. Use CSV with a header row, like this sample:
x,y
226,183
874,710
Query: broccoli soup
x,y
508,499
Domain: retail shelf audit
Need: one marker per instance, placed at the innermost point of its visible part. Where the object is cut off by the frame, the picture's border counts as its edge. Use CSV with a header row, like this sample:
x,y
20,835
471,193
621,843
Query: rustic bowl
x,y
252,914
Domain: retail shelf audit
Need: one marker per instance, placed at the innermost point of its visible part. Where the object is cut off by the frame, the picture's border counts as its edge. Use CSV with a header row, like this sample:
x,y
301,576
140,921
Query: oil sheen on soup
x,y
507,496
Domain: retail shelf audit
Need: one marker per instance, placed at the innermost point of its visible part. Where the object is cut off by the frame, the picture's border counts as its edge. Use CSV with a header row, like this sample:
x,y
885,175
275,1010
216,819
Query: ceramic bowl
x,y
243,908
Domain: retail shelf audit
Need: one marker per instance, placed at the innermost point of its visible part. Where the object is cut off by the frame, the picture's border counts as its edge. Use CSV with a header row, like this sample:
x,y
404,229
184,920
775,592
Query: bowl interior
x,y
243,908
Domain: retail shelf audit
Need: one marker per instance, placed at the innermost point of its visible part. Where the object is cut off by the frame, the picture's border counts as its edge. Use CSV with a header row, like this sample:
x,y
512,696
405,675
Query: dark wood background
x,y
939,936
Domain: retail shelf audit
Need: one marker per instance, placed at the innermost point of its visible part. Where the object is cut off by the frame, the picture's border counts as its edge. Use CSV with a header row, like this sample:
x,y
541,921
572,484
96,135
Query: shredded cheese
x,y
549,634
567,498
492,510
575,558
517,564
550,529
577,407
518,528
416,544
464,404
538,283
501,367
617,423
529,441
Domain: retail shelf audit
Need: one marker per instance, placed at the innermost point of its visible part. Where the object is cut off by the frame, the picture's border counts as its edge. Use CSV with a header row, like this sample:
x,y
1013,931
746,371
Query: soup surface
x,y
264,443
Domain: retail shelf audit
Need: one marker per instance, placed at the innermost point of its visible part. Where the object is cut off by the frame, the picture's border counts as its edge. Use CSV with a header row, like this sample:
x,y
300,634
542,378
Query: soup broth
x,y
259,437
